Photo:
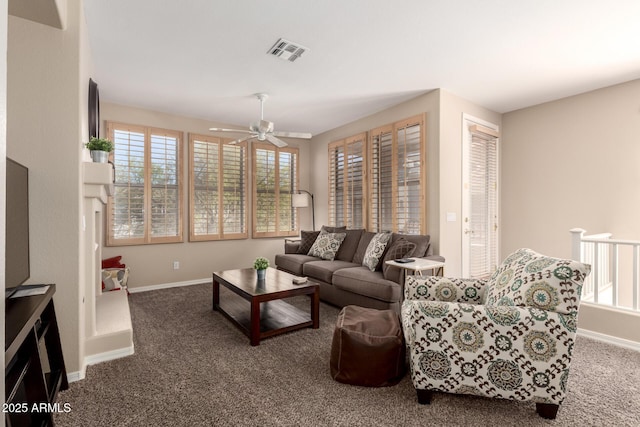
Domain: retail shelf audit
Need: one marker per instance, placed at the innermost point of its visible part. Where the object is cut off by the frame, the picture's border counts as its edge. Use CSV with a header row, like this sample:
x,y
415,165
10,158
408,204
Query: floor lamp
x,y
299,200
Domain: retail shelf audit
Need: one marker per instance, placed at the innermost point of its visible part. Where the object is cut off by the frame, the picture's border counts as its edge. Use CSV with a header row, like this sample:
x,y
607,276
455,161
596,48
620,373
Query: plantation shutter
x,y
398,177
347,174
336,184
483,189
275,172
234,191
409,203
382,185
217,189
287,179
146,206
165,193
126,214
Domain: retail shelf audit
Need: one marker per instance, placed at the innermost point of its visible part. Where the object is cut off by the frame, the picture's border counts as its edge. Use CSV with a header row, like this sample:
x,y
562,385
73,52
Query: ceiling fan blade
x,y
229,130
246,138
303,135
275,141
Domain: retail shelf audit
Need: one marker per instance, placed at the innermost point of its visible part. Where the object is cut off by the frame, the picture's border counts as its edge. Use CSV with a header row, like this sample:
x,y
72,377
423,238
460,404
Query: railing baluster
x,y
596,273
603,253
635,277
614,277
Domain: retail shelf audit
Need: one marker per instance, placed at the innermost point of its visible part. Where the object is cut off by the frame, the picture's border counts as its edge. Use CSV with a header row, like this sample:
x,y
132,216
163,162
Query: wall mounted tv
x,y
17,225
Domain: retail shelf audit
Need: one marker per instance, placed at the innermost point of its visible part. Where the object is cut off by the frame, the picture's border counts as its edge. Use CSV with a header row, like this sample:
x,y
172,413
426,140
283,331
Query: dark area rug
x,y
192,367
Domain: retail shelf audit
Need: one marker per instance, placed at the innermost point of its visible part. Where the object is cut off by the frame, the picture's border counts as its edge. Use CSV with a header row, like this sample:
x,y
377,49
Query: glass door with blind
x,y
479,198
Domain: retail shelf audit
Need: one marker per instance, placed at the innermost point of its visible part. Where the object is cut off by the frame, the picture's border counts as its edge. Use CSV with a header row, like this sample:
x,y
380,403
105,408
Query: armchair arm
x,y
520,353
433,288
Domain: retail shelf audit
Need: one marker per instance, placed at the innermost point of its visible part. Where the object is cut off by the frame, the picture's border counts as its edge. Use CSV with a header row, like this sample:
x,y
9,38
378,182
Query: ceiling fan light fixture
x,y
263,130
286,50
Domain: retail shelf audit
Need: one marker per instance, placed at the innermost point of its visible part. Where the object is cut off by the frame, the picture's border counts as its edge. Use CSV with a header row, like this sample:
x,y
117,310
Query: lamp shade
x,y
299,201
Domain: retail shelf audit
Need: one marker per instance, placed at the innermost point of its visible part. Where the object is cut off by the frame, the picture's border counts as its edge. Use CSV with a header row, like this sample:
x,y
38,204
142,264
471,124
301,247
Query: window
x,y
275,178
347,167
146,206
398,177
217,189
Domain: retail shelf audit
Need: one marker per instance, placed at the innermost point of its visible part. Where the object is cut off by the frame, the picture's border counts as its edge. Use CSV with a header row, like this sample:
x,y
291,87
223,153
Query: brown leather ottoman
x,y
368,347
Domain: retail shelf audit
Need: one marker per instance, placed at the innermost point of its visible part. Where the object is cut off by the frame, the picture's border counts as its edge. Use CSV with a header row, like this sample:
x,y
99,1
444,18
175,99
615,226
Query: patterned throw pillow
x,y
401,248
326,245
529,279
307,238
375,250
115,278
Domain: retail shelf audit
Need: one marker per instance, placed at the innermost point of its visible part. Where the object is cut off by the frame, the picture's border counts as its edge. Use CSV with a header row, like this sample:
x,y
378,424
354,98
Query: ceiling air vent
x,y
284,49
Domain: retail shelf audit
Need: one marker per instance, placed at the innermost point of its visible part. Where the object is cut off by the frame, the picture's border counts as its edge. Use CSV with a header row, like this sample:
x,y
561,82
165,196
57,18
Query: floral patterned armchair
x,y
508,337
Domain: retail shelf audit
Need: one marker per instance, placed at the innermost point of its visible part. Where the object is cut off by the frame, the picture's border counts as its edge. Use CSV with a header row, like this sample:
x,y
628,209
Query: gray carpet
x,y
193,368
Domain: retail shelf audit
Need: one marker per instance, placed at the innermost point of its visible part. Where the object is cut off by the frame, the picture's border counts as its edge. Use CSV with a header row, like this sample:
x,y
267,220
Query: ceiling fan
x,y
263,129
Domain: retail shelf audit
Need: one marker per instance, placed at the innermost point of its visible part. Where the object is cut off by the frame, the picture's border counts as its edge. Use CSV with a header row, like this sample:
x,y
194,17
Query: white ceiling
x,y
205,59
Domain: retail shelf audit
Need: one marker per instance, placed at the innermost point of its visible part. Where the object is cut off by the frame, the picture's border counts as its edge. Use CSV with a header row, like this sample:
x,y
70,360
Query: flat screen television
x,y
17,226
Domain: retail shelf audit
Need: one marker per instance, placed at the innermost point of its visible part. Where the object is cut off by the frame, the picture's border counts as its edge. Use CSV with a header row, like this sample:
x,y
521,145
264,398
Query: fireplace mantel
x,y
98,180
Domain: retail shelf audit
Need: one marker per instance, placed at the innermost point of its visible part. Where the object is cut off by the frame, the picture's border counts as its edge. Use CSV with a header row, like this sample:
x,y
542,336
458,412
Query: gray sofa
x,y
344,280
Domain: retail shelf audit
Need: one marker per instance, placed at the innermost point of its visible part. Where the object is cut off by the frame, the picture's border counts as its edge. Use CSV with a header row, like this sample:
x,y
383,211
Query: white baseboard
x,y
97,358
169,285
108,355
620,342
76,376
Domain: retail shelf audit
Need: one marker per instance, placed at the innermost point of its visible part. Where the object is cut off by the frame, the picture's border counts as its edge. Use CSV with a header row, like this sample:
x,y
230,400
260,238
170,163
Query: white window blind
x,y
275,172
483,192
347,174
398,177
147,204
217,188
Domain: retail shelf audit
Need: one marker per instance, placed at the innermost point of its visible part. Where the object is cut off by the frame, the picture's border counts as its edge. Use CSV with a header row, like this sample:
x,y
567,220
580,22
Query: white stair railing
x,y
605,285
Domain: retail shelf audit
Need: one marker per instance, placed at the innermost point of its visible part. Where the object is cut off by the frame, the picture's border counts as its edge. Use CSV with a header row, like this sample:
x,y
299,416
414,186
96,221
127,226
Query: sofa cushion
x,y
365,239
307,238
349,244
527,278
401,248
326,245
375,251
330,229
422,242
362,281
323,270
293,262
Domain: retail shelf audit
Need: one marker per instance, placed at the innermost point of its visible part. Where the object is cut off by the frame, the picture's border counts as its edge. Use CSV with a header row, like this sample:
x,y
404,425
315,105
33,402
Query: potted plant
x,y
100,149
261,264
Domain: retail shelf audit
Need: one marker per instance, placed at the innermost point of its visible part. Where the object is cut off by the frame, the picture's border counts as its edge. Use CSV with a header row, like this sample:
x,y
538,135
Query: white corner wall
x,y
45,105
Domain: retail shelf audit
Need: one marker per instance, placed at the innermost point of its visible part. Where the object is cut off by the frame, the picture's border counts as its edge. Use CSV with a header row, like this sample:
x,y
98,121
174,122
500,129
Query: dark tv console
x,y
34,365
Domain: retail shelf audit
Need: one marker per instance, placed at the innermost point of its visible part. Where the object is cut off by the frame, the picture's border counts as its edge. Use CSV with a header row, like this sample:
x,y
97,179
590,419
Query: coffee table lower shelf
x,y
276,317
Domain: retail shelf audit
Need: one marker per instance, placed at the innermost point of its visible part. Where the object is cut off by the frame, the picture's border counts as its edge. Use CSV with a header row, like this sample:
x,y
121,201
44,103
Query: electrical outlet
x,y
176,265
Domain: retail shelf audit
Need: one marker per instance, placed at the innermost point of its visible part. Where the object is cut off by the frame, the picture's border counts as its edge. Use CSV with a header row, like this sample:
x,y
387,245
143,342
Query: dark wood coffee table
x,y
267,315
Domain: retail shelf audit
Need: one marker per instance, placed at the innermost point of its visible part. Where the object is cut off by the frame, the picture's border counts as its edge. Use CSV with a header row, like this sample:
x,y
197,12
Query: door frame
x,y
467,120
